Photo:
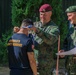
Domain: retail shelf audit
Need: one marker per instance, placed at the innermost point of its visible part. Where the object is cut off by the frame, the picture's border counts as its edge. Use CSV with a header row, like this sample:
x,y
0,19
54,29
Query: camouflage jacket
x,y
46,33
70,40
46,38
69,43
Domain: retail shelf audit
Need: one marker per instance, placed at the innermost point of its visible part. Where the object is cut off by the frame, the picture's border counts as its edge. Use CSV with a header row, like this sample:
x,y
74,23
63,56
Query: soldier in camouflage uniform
x,y
70,41
46,36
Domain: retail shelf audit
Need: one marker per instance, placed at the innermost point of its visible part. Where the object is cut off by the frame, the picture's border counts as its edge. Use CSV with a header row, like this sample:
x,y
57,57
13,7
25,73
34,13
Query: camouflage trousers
x,y
49,68
46,62
71,65
46,67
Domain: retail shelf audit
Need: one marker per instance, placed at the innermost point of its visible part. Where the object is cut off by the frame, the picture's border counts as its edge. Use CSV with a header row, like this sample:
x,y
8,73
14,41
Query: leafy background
x,y
21,9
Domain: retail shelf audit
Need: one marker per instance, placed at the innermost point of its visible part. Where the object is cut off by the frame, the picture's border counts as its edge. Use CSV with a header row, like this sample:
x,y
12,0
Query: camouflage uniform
x,y
70,42
46,37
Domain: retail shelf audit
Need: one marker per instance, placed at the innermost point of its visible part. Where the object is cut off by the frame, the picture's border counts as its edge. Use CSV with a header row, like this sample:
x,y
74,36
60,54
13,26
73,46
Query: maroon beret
x,y
45,8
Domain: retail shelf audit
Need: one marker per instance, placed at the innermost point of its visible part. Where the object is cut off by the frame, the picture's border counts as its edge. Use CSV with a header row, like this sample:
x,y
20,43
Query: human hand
x,y
61,56
33,29
16,29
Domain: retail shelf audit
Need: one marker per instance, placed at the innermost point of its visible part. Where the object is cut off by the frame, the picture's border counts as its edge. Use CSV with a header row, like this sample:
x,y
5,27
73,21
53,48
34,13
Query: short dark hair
x,y
27,22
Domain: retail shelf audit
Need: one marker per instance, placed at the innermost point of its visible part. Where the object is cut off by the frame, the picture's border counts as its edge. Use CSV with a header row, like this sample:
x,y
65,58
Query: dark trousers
x,y
21,72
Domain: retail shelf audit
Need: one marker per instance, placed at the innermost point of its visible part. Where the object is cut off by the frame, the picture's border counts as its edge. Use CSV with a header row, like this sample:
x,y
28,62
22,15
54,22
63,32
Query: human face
x,y
45,17
72,17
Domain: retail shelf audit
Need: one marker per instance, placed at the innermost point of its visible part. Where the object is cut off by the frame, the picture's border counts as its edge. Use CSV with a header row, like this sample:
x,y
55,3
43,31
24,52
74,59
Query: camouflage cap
x,y
71,9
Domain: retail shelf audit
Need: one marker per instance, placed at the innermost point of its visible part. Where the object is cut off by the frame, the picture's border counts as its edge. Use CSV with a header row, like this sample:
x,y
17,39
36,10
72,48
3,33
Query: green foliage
x,y
3,47
59,19
22,9
30,9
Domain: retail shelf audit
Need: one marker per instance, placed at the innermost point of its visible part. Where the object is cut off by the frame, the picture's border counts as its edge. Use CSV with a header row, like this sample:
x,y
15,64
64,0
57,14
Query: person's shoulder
x,y
9,39
14,34
52,23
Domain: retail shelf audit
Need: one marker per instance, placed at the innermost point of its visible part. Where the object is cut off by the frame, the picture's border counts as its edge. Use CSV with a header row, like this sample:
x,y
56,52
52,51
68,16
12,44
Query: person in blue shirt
x,y
30,35
20,53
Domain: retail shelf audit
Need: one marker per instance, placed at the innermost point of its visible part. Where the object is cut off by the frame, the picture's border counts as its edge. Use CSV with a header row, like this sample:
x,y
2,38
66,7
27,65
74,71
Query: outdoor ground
x,y
4,71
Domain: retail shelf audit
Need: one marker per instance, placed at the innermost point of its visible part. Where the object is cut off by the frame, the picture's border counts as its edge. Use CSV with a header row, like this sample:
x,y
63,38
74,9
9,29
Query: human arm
x,y
32,62
31,57
61,56
49,34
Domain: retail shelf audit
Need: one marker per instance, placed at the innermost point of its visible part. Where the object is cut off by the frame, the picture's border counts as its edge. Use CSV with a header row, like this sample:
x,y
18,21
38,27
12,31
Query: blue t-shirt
x,y
32,37
18,46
